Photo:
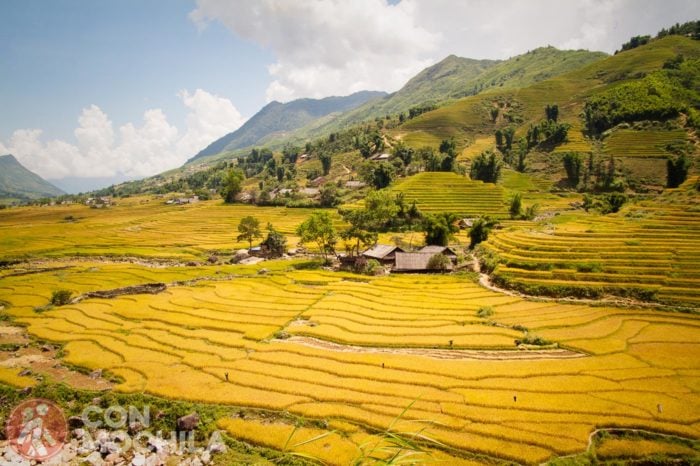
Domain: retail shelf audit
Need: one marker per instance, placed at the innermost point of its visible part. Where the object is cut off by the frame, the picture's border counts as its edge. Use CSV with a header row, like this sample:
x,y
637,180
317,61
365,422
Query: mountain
x,y
455,77
18,182
277,119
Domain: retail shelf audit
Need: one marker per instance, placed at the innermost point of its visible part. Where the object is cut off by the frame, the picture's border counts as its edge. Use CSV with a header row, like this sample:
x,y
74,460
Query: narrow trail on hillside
x,y
436,353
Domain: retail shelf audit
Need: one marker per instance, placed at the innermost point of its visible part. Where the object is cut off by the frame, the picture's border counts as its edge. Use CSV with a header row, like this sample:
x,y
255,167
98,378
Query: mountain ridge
x,y
277,117
16,181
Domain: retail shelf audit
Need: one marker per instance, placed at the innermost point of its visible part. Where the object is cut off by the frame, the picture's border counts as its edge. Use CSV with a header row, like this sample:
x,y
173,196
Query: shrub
x,y
61,297
439,262
484,311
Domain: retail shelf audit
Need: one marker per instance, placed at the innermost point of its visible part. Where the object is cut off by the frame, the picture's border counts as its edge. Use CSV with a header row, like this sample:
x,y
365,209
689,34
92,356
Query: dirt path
x,y
449,354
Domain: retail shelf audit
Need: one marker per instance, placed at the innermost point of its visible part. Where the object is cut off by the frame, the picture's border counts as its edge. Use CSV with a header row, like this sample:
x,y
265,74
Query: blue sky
x,y
57,57
94,91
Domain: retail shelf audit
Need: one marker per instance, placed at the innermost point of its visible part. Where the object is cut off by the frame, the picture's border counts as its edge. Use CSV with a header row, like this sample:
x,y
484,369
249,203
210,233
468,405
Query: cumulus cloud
x,y
133,150
328,47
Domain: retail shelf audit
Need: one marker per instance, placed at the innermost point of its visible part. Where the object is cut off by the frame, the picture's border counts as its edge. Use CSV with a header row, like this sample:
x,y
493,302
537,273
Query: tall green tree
x,y
440,228
677,171
480,230
486,167
232,185
275,242
326,162
573,164
516,206
318,228
249,229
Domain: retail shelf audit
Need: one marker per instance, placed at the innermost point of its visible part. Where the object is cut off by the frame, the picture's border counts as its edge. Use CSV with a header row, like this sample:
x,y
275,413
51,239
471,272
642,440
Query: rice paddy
x,y
648,252
643,143
183,342
450,192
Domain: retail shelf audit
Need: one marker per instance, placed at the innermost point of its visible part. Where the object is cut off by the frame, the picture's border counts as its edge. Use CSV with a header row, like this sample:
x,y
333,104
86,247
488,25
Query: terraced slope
x,y
644,143
182,342
140,227
450,192
651,251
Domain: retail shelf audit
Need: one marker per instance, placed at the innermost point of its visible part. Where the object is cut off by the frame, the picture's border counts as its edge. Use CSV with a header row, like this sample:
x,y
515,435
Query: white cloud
x,y
327,47
150,148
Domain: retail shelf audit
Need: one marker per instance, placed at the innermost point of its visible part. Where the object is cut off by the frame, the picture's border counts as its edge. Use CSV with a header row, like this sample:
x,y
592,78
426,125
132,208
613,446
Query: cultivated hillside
x,y
456,77
278,119
18,182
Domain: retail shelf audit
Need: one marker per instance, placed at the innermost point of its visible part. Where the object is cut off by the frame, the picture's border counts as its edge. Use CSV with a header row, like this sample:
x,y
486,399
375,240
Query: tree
x,y
249,229
318,228
329,196
522,153
508,135
404,153
440,228
439,262
233,183
573,166
552,112
449,147
358,233
275,242
325,163
480,230
379,175
499,138
516,206
486,167
677,171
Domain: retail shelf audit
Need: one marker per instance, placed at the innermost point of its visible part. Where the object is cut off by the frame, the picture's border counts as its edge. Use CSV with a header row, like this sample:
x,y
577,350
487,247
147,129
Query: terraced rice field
x,y
642,144
527,407
138,227
649,251
450,192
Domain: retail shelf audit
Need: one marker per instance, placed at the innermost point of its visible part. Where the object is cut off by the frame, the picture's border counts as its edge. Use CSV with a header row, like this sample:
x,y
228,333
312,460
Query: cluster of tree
x,y
677,170
232,185
518,212
440,228
249,230
634,42
370,144
382,211
606,204
661,95
592,176
690,29
486,167
419,110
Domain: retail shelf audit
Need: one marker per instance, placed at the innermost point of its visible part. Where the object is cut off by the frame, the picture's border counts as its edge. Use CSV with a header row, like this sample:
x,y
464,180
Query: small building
x,y
303,156
319,181
186,200
415,262
444,250
465,223
310,192
384,253
381,157
355,184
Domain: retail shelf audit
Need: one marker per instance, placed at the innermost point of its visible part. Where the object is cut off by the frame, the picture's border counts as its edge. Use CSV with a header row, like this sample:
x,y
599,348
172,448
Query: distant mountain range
x,y
277,120
16,182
